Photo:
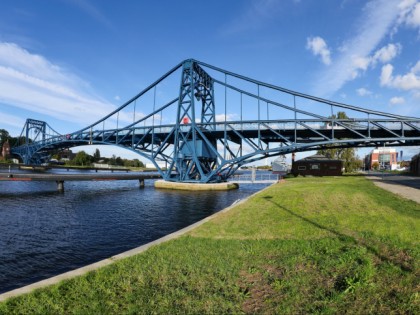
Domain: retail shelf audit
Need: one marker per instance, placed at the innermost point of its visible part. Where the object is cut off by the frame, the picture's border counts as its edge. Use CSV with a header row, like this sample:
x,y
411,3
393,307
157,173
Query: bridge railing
x,y
256,178
263,125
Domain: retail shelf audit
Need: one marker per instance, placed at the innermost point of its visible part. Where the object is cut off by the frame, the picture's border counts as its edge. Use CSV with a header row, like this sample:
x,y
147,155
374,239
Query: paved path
x,y
404,186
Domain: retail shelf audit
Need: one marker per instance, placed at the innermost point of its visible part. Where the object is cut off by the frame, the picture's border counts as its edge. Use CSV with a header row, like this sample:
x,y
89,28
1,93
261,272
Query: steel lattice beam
x,y
198,148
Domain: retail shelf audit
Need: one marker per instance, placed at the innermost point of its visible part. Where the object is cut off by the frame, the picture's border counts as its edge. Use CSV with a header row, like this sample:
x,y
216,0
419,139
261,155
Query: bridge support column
x,y
195,186
60,185
141,183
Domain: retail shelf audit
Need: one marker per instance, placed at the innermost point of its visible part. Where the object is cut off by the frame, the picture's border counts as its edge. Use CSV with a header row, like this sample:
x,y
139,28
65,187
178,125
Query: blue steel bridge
x,y
203,123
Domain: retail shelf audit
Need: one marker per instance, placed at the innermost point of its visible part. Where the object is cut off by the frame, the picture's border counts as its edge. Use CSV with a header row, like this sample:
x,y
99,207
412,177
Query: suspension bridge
x,y
204,123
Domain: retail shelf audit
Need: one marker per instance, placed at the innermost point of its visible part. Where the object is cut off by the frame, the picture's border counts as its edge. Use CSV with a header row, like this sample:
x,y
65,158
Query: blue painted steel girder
x,y
194,156
308,138
190,145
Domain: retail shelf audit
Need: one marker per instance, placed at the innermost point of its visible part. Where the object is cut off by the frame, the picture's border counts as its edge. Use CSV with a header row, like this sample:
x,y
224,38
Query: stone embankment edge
x,y
195,186
105,262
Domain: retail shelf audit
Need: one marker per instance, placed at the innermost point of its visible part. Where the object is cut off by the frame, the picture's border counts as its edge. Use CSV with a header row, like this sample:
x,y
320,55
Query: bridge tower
x,y
195,154
40,128
33,131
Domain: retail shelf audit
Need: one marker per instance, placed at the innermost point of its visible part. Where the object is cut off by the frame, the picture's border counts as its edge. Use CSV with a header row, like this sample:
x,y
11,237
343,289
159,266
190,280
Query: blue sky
x,y
70,62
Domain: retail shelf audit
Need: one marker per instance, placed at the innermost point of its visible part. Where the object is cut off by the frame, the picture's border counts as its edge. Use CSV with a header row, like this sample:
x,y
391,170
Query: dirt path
x,y
404,186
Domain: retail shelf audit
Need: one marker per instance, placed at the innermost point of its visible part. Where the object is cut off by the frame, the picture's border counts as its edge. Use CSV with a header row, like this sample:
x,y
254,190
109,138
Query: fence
x,y
255,177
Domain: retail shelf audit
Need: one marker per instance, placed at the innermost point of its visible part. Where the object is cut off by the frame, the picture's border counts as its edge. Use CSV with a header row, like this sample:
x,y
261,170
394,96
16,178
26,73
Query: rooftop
x,y
318,157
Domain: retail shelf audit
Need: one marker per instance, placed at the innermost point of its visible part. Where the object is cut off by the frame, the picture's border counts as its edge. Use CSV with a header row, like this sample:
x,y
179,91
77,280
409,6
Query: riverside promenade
x,y
403,185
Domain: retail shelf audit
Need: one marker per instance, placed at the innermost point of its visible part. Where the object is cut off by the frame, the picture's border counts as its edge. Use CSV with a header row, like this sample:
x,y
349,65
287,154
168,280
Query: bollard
x,y
60,185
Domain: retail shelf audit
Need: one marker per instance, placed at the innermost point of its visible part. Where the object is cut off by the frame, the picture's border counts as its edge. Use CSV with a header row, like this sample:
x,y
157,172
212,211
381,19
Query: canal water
x,y
44,233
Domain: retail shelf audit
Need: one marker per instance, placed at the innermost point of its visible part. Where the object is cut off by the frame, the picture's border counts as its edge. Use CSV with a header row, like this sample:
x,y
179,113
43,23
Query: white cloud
x,y
319,47
31,82
357,53
386,74
408,81
413,18
397,100
223,117
416,68
363,92
383,55
405,7
361,62
387,53
11,120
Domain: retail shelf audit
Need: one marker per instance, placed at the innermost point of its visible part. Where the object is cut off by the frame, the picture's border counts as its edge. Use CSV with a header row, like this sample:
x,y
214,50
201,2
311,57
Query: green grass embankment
x,y
309,245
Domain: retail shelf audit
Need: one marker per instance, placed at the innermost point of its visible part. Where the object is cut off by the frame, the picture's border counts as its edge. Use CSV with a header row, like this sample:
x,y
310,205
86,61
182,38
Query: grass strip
x,y
309,245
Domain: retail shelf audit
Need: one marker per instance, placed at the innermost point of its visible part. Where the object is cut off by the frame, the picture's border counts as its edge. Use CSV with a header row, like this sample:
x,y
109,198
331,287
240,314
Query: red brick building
x,y
317,165
5,152
385,158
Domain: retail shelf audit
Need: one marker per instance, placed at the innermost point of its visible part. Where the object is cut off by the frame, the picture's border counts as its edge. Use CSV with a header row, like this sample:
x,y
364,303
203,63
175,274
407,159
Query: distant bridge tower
x,y
40,128
34,131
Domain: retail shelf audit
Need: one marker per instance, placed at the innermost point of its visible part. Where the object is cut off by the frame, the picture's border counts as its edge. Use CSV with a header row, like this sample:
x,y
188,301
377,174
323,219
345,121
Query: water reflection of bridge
x,y
201,142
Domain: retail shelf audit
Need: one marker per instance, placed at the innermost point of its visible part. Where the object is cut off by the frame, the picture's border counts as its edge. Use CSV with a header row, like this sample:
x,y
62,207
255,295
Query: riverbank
x,y
307,245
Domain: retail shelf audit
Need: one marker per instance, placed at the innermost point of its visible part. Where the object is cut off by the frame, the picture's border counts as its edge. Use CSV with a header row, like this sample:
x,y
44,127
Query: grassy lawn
x,y
309,245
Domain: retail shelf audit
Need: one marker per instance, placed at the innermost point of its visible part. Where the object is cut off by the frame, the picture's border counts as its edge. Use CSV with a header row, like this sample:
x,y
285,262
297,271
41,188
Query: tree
x,y
138,163
96,155
13,141
119,161
348,155
4,136
82,158
112,159
16,141
133,163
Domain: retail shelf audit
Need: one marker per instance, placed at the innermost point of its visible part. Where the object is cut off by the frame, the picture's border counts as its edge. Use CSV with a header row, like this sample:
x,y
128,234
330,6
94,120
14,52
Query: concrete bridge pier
x,y
195,186
60,185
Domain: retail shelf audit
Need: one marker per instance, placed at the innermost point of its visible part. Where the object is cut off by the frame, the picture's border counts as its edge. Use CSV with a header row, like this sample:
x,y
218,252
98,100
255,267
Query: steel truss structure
x,y
189,139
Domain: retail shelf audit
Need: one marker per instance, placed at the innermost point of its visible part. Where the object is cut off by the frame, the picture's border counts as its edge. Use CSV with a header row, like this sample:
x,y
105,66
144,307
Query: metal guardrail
x,y
255,178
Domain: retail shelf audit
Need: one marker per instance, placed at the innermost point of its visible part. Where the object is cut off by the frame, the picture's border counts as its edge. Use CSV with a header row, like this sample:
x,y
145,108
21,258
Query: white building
x,y
384,157
151,165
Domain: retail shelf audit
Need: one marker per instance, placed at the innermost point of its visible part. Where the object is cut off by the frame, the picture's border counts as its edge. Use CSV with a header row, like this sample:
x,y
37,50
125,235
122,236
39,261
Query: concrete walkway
x,y
405,186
